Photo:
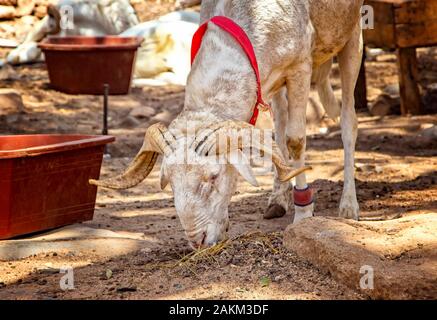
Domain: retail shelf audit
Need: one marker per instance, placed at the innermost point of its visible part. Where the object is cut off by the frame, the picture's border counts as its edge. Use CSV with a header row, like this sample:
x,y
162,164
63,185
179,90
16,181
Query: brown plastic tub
x,y
44,181
83,65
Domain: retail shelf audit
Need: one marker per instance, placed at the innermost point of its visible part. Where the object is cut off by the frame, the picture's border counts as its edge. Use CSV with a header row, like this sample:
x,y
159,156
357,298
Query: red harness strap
x,y
241,37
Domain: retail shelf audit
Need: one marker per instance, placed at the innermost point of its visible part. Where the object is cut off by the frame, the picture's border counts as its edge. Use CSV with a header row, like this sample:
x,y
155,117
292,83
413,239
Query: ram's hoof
x,y
274,211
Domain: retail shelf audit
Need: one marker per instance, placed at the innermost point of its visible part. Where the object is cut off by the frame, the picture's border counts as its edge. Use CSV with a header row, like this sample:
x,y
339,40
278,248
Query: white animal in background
x,y
90,18
295,42
163,58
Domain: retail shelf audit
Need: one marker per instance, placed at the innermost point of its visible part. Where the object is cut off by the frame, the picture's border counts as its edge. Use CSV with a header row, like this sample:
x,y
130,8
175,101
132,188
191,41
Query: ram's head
x,y
206,178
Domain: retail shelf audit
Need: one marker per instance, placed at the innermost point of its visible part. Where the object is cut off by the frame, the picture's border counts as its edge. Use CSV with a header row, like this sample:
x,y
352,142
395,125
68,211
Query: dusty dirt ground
x,y
396,176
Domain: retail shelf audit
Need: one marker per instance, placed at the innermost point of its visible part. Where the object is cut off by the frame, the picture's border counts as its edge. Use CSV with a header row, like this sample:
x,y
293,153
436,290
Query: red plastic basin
x,y
44,181
83,65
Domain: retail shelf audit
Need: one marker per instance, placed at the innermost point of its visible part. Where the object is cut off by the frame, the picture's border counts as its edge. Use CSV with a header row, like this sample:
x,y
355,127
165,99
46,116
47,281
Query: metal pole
x,y
105,109
105,113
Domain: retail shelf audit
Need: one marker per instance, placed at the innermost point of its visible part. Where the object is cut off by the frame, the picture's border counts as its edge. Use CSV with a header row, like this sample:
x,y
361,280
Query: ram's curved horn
x,y
207,144
158,140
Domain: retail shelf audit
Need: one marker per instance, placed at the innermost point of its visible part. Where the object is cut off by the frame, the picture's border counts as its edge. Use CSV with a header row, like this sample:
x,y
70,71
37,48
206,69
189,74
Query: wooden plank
x,y
416,35
416,12
384,12
408,80
382,36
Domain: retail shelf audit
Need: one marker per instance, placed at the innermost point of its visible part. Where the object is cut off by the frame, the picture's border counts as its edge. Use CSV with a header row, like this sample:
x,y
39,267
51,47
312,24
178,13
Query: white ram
x,y
295,42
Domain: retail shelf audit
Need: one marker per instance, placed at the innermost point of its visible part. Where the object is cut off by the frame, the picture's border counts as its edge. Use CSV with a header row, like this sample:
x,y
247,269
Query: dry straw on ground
x,y
211,255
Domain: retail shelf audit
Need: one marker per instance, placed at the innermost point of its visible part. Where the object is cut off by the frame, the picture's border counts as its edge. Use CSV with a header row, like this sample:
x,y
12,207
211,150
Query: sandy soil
x,y
396,176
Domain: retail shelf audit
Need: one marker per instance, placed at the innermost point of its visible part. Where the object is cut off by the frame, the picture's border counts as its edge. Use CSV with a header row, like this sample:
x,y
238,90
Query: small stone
x,y
386,58
10,102
142,112
48,271
373,93
126,289
393,90
165,117
129,122
425,126
24,7
7,12
324,130
274,211
40,11
7,43
278,278
28,20
385,105
108,274
7,27
432,87
42,282
8,2
178,286
373,53
430,132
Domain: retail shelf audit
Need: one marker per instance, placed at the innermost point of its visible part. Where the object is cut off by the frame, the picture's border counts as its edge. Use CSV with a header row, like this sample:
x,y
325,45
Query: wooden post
x,y
361,87
411,102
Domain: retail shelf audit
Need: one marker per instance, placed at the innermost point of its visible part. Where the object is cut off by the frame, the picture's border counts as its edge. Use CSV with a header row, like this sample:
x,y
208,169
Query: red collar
x,y
241,37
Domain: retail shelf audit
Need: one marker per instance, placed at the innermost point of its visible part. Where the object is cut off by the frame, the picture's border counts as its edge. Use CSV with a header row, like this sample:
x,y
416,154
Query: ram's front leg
x,y
349,62
281,200
298,89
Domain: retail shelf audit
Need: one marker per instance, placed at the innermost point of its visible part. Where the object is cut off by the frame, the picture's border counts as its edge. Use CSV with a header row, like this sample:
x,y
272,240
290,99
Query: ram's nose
x,y
208,236
199,242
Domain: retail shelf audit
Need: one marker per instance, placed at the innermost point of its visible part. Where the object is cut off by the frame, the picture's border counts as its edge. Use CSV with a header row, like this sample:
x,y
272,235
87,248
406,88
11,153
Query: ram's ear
x,y
164,178
242,165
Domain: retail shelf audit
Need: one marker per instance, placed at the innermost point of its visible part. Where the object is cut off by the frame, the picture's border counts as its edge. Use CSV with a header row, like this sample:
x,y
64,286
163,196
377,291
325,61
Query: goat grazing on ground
x,y
295,42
